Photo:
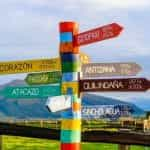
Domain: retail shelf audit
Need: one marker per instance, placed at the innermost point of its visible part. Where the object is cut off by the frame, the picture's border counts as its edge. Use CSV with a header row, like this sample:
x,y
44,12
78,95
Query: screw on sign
x,y
110,85
98,34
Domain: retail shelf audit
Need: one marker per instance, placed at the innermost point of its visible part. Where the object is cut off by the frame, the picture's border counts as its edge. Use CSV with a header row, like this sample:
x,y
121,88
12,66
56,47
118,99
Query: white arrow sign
x,y
59,103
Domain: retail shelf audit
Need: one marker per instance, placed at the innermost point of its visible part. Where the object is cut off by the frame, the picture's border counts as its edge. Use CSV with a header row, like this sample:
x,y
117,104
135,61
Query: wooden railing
x,y
122,138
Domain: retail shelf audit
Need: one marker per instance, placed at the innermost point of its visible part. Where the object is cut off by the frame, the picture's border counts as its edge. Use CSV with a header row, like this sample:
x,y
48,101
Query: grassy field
x,y
21,143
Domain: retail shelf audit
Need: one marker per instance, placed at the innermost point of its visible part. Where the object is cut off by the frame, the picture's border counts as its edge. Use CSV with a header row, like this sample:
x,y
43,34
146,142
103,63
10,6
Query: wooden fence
x,y
123,138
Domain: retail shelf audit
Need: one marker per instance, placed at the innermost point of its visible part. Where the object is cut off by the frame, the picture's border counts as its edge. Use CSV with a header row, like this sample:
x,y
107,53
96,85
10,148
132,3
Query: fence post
x,y
56,124
25,122
123,147
41,123
1,142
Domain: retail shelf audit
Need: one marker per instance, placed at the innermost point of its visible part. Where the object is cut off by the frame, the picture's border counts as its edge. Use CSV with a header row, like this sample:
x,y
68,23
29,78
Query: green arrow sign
x,y
31,92
43,78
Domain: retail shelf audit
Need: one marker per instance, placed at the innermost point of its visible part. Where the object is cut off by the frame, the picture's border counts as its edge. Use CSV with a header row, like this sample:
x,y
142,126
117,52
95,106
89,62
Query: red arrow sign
x,y
110,85
98,34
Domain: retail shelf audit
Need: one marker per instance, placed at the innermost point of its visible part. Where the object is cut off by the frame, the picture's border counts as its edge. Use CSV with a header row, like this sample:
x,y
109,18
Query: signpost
x,y
31,91
59,103
43,78
110,69
98,34
69,64
110,85
30,66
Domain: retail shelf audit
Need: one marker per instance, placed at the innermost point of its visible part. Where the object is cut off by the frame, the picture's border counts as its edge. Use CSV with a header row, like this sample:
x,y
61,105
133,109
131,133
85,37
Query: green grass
x,y
21,143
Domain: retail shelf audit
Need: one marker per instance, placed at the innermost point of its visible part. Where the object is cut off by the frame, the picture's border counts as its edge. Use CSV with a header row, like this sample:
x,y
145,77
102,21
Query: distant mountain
x,y
91,99
143,103
35,108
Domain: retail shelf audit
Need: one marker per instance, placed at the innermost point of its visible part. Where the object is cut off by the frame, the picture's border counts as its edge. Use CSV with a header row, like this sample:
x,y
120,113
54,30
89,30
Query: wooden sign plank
x,y
26,66
112,85
110,69
98,34
59,103
43,78
31,92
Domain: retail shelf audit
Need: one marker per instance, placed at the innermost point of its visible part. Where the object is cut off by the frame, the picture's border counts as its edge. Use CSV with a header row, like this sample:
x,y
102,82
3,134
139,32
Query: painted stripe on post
x,y
70,136
70,66
71,115
70,146
69,57
71,124
66,37
69,76
68,47
76,99
72,85
68,27
76,106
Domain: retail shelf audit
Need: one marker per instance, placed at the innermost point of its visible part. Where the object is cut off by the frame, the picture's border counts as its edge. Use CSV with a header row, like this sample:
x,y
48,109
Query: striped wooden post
x,y
70,64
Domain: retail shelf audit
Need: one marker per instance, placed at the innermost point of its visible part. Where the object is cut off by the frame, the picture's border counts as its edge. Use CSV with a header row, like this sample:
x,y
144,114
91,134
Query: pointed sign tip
x,y
118,28
139,68
148,84
121,28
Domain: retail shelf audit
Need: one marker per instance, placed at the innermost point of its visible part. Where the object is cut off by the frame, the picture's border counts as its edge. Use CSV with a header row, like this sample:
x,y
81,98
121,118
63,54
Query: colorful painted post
x,y
70,64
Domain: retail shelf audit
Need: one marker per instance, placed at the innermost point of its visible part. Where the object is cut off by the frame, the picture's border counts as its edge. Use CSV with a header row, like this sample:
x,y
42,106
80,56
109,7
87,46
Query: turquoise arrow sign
x,y
31,92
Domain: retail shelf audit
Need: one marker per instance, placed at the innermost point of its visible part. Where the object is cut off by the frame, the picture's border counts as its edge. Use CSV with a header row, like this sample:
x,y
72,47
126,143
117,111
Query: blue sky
x,y
29,30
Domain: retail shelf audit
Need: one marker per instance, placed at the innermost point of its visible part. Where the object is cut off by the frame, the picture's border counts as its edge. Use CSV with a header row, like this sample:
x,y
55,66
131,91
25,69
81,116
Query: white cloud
x,y
97,4
73,4
120,3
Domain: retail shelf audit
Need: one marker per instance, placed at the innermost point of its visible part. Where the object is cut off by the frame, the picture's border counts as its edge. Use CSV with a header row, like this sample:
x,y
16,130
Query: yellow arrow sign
x,y
38,65
84,58
25,66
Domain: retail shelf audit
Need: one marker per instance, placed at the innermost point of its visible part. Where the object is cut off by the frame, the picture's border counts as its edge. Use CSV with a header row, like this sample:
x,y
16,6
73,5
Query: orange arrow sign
x,y
98,34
